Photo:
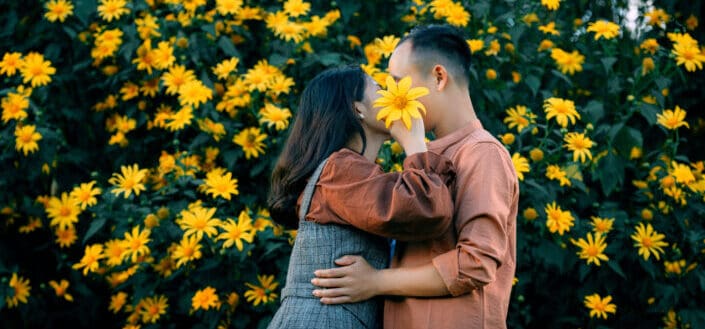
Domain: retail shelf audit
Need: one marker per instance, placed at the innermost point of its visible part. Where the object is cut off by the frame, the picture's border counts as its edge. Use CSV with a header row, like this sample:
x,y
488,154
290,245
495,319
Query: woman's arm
x,y
356,281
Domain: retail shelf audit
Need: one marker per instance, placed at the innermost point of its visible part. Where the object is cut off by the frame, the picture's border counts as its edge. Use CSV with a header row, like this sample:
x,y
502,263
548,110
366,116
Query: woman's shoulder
x,y
346,164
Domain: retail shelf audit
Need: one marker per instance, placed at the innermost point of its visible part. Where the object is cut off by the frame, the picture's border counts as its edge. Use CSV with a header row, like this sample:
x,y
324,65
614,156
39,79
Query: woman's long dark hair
x,y
325,122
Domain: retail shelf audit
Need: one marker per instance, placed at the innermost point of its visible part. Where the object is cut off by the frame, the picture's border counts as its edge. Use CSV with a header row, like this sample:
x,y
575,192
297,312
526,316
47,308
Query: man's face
x,y
401,65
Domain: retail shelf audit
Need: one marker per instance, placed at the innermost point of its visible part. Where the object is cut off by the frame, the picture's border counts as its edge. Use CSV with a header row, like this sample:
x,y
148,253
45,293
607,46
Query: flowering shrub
x,y
138,138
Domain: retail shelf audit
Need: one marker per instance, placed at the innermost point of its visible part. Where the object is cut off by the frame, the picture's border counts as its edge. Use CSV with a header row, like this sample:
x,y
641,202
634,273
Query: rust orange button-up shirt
x,y
476,256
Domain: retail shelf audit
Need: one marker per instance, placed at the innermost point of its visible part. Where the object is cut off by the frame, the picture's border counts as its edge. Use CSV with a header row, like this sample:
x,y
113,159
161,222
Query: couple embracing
x,y
452,210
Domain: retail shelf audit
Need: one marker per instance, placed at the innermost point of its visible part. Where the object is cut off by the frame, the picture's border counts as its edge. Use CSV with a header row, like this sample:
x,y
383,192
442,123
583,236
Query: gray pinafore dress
x,y
316,247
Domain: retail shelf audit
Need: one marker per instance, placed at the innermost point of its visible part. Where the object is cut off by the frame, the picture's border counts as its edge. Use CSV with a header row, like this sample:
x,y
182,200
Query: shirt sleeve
x,y
487,189
415,204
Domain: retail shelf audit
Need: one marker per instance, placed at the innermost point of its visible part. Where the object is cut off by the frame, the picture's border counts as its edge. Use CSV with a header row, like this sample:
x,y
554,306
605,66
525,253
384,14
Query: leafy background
x,y
630,176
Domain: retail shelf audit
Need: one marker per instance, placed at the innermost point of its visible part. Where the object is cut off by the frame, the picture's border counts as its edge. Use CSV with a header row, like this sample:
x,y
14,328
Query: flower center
x,y
400,102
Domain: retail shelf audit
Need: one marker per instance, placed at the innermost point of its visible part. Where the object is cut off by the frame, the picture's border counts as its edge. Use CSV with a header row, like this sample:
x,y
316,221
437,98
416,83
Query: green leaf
x,y
96,225
572,171
84,9
607,63
348,9
533,83
627,138
649,111
614,265
611,173
480,9
594,111
226,45
562,77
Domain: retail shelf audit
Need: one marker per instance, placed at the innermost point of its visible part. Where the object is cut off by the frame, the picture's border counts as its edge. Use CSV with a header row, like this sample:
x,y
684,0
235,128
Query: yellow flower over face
x,y
648,241
592,249
264,293
562,110
599,307
603,29
399,102
672,119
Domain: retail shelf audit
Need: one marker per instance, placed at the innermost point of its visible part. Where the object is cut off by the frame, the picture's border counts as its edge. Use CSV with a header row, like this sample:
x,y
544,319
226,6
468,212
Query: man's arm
x,y
356,281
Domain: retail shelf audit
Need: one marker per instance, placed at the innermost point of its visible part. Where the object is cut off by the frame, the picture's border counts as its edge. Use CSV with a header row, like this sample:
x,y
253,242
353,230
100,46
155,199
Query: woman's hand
x,y
354,281
414,140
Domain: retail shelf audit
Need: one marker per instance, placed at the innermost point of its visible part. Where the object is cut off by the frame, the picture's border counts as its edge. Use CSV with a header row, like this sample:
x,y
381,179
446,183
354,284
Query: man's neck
x,y
455,117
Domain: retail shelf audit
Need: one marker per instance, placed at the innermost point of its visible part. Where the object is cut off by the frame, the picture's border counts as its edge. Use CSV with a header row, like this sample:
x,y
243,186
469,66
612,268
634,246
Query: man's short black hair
x,y
440,44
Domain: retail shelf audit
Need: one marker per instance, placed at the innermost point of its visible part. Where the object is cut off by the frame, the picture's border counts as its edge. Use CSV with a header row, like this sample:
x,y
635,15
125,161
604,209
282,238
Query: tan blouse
x,y
476,256
414,204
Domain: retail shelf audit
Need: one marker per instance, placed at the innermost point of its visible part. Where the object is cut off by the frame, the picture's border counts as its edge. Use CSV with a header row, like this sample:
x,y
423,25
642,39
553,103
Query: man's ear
x,y
440,74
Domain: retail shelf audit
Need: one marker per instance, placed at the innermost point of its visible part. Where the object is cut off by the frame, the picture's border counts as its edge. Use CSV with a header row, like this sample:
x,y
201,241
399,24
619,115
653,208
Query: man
x,y
471,266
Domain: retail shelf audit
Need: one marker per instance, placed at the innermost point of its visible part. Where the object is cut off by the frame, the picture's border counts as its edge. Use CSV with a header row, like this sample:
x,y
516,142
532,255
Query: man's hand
x,y
353,282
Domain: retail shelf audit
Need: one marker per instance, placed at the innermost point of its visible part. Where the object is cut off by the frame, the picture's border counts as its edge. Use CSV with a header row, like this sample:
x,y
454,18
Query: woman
x,y
327,165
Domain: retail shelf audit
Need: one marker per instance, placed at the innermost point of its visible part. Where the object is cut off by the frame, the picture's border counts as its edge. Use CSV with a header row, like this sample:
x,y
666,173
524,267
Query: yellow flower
x,y
194,93
530,213
63,212
399,102
493,48
135,243
180,119
519,116
554,172
26,139
197,221
216,129
549,28
692,22
457,15
65,237
220,184
601,225
224,68
568,62
36,70
354,41
683,39
117,301
296,8
251,139
280,84
114,251
647,65
536,154
599,307
603,29
147,26
32,224
275,116
657,16
521,165
491,74
530,18
90,259
188,249
163,55
58,10
264,293
11,63
85,194
475,45
507,139
19,287
558,220
228,7
672,119
551,4
386,45
562,109
675,267
112,9
681,172
592,249
688,55
60,289
579,144
648,241
205,299
153,308
130,181
545,45
650,46
236,233
176,77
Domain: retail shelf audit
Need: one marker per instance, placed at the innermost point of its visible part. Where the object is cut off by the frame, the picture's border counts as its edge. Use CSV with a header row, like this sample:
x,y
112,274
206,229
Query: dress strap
x,y
308,190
